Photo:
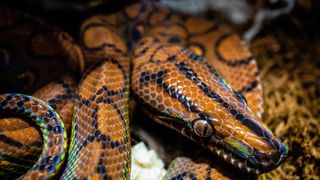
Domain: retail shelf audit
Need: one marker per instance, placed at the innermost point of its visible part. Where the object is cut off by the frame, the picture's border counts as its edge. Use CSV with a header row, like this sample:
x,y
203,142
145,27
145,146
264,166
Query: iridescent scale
x,y
52,129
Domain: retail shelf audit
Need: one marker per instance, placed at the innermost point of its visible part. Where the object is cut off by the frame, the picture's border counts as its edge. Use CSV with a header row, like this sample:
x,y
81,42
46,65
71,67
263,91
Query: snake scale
x,y
189,74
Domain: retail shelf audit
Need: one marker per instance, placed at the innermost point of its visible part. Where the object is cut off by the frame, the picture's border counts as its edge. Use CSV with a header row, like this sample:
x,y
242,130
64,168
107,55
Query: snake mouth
x,y
256,163
219,148
268,161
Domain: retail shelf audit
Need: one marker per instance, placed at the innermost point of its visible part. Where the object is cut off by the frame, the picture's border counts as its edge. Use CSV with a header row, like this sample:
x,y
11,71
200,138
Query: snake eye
x,y
202,128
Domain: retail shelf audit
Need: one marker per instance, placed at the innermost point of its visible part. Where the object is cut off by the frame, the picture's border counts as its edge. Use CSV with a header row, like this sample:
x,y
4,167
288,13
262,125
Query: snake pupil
x,y
205,130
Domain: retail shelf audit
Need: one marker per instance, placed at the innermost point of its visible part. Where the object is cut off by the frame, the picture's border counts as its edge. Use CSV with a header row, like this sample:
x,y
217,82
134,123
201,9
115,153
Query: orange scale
x,y
185,83
259,143
207,41
157,67
221,132
51,135
255,100
153,103
222,115
113,157
175,105
252,67
229,115
5,148
161,107
172,49
241,110
42,112
170,82
138,49
172,30
32,175
95,37
173,74
157,18
193,89
167,102
233,104
26,136
27,104
25,150
20,152
84,132
199,167
86,90
197,25
153,95
49,91
239,134
112,19
196,49
159,56
160,97
203,72
228,125
58,139
146,97
158,90
108,119
96,176
11,124
88,159
140,93
65,111
54,150
182,108
133,11
144,59
232,49
119,165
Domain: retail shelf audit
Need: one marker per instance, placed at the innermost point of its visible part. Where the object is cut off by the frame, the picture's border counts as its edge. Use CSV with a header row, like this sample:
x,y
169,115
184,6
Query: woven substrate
x,y
291,82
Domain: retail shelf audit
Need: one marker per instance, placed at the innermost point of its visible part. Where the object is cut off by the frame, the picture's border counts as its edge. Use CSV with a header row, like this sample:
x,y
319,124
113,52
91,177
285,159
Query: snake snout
x,y
265,159
271,159
281,153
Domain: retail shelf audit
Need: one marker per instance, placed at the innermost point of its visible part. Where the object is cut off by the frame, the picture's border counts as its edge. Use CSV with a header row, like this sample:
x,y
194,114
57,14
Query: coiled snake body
x,y
180,68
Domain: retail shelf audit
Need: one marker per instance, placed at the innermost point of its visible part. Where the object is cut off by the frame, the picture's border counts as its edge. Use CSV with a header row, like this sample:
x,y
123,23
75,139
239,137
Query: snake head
x,y
184,93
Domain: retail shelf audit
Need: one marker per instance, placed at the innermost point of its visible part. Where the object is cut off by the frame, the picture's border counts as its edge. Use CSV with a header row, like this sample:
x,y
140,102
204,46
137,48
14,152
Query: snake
x,y
192,75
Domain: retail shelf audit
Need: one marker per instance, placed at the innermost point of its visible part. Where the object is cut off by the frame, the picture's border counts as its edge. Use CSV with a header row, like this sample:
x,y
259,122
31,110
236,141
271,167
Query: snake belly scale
x,y
192,75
